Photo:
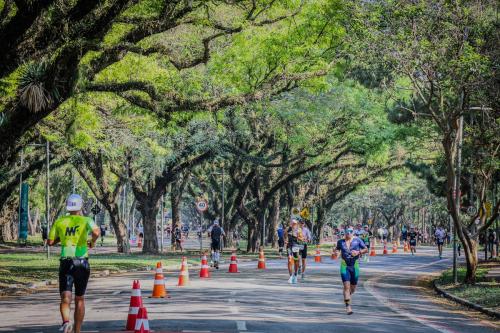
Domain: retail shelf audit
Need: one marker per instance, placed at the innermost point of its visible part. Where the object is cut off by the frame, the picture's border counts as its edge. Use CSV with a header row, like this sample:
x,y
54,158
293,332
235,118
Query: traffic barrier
x,y
385,248
394,247
262,260
233,266
135,304
159,290
142,323
204,272
184,274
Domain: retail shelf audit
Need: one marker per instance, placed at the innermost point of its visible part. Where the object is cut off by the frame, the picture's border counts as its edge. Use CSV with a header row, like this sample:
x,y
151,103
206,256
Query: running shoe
x,y
290,280
67,327
303,276
294,279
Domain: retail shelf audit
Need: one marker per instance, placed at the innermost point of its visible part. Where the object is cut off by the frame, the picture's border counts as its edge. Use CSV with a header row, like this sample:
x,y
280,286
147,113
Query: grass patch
x,y
25,268
484,293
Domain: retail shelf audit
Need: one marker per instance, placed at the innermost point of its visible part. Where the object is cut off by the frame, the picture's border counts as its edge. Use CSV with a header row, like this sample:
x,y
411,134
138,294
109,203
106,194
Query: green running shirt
x,y
73,231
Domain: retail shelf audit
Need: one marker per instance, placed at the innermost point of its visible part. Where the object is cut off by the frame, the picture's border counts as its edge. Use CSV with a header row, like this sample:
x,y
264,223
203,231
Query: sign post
x,y
23,216
201,206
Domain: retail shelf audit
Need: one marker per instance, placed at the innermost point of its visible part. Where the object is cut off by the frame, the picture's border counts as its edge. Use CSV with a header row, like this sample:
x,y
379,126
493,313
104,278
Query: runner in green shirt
x,y
72,232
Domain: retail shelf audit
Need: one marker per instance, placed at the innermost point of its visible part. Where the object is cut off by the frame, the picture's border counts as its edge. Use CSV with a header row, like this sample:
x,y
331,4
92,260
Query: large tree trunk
x,y
149,213
175,201
8,221
470,247
251,237
319,223
274,218
120,228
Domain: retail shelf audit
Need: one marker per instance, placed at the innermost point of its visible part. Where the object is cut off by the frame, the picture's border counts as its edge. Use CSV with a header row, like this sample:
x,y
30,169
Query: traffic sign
x,y
471,211
201,205
305,213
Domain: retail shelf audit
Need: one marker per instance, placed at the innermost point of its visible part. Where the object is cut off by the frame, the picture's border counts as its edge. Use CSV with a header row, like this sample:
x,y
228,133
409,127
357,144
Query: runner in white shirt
x,y
306,234
440,235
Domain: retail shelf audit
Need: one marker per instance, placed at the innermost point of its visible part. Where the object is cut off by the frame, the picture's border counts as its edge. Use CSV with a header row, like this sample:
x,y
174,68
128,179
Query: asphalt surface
x,y
388,299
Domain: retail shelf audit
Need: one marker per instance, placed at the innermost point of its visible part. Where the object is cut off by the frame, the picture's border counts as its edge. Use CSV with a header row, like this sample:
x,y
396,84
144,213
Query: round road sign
x,y
471,210
202,205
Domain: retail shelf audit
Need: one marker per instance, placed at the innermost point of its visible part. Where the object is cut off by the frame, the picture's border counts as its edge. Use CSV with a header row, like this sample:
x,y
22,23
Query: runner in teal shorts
x,y
351,247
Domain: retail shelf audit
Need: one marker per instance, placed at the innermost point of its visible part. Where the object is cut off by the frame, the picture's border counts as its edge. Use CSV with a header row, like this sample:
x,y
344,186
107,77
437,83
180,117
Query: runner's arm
x,y
95,232
53,238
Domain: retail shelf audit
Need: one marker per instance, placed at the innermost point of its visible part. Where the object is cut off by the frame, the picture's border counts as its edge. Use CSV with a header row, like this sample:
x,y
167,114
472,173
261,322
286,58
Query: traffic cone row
x,y
317,256
233,266
262,260
204,272
334,254
142,323
184,274
135,305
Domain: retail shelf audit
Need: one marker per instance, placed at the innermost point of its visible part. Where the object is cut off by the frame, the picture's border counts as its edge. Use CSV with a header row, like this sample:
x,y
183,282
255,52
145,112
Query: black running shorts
x,y
74,271
215,245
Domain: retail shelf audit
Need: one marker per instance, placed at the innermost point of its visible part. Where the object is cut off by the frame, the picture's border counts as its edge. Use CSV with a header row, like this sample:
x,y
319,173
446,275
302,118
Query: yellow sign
x,y
487,207
305,213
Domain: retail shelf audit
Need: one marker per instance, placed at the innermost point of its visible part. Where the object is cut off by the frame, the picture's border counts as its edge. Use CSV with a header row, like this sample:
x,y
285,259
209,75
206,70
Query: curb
x,y
477,307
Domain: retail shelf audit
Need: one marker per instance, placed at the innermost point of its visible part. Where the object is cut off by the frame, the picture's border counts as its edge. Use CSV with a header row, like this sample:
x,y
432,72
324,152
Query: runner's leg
x,y
79,312
65,306
347,296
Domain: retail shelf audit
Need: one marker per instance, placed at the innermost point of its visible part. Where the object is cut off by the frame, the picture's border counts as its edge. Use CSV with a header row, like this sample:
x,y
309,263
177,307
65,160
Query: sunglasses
x,y
350,231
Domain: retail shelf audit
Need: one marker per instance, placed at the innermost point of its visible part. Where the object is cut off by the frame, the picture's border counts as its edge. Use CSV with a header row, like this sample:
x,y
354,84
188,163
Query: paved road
x,y
388,300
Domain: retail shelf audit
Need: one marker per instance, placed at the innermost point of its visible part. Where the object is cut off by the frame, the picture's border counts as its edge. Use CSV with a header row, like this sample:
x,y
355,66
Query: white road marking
x,y
241,325
116,292
369,286
234,310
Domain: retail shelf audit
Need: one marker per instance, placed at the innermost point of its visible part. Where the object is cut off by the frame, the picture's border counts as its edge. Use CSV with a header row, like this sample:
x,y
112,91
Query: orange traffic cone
x,y
334,254
233,266
204,272
135,304
394,247
317,256
406,249
159,290
262,260
184,274
372,251
385,248
142,323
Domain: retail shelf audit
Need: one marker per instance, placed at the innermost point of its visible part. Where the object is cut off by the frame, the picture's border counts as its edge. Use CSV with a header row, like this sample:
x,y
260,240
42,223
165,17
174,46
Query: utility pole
x,y
47,190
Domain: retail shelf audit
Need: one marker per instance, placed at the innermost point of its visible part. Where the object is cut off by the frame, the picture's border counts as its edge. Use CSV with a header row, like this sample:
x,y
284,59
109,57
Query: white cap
x,y
216,222
74,203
